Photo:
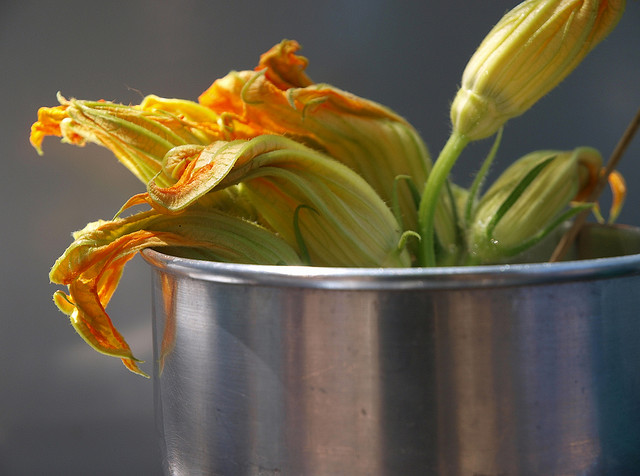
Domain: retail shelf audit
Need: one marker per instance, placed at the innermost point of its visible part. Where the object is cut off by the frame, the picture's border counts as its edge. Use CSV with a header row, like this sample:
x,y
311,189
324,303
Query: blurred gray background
x,y
64,409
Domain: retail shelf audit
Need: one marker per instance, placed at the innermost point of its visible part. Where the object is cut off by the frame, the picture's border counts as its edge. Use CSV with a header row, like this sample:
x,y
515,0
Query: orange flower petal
x,y
284,68
92,266
48,124
619,191
367,137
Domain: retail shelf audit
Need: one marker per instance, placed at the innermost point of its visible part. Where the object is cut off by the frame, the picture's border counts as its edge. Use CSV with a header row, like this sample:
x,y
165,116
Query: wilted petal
x,y
203,168
284,68
139,136
48,124
367,137
350,225
91,267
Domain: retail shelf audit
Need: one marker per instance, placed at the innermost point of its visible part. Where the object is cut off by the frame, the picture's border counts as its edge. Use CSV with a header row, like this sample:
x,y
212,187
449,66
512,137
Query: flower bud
x,y
529,200
532,49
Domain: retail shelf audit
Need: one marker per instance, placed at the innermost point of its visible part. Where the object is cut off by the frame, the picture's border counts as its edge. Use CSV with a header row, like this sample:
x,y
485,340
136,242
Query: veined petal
x,y
350,224
139,136
209,166
225,126
92,266
345,222
367,137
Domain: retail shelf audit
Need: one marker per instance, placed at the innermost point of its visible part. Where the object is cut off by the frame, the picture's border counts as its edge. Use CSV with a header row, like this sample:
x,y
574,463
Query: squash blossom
x,y
281,178
92,265
367,137
139,136
530,199
531,49
276,98
266,200
318,205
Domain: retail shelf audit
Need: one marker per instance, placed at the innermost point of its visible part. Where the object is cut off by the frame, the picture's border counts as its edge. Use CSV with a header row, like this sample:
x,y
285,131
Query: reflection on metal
x,y
496,370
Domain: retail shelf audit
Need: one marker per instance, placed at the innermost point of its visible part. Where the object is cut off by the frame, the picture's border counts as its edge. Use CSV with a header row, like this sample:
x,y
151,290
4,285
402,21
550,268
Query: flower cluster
x,y
269,167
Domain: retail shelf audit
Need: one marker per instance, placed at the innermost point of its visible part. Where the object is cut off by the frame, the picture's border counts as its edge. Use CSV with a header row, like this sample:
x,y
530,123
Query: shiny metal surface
x,y
483,371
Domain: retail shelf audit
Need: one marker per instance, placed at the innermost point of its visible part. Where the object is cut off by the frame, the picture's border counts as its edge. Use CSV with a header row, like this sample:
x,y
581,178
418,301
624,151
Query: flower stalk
x,y
431,196
528,53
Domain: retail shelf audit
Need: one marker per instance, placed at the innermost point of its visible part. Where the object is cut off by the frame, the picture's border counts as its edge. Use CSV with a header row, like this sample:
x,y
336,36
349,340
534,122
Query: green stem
x,y
479,178
431,194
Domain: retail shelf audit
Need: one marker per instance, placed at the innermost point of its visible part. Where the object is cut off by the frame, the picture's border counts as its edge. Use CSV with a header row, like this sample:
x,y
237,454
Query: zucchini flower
x,y
91,267
529,200
314,210
277,98
326,211
528,53
367,137
139,136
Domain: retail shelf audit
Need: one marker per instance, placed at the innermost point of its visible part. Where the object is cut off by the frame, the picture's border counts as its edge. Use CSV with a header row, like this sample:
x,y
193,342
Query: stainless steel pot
x,y
480,371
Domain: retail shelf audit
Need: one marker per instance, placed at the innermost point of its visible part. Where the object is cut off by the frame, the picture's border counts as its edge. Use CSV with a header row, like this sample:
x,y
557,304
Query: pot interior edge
x,y
600,252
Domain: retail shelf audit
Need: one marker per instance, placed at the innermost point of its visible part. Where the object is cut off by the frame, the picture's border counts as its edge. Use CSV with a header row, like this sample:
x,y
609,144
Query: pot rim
x,y
446,277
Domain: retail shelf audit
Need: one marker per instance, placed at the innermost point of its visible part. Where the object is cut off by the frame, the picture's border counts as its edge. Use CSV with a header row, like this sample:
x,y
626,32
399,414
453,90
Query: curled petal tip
x,y
285,69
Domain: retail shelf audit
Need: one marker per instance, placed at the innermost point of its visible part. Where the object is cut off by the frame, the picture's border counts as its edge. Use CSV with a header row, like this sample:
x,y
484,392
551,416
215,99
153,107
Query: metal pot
x,y
528,369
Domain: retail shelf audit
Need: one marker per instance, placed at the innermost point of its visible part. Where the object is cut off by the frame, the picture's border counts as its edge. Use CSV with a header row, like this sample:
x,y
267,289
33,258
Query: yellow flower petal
x,y
367,137
139,136
352,225
92,266
48,124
